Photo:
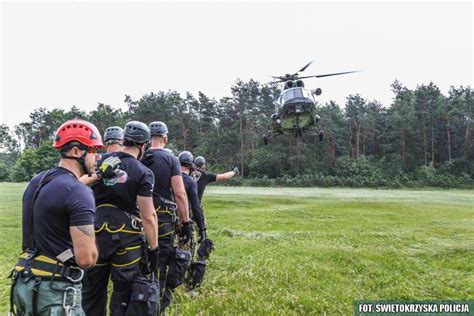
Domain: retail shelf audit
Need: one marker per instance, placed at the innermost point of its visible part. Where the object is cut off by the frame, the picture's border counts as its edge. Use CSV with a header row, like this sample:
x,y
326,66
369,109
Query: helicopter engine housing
x,y
299,83
289,84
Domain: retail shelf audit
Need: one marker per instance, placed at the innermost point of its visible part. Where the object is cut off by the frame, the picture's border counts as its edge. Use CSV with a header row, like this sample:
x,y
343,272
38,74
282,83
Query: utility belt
x,y
41,267
33,264
110,218
166,212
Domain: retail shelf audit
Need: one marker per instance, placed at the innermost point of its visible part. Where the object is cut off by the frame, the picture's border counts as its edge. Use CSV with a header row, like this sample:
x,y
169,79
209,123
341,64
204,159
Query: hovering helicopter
x,y
295,109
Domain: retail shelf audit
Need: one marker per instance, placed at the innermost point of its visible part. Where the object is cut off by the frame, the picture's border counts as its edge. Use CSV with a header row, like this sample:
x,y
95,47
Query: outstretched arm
x,y
226,175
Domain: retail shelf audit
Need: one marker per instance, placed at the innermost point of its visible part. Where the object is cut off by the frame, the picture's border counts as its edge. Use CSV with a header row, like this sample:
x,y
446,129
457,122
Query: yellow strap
x,y
163,235
101,264
47,260
128,248
101,228
131,231
38,272
127,264
113,231
106,204
164,210
163,224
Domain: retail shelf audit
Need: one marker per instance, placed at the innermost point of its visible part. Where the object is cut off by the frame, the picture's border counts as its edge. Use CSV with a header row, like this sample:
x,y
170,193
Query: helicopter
x,y
295,109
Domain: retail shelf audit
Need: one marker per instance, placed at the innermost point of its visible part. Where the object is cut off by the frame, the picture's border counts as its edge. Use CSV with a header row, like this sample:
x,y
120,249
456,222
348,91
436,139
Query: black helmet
x,y
199,161
113,133
158,128
186,159
136,132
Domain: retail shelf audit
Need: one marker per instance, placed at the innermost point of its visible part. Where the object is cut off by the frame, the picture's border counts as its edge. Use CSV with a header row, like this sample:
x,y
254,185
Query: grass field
x,y
313,251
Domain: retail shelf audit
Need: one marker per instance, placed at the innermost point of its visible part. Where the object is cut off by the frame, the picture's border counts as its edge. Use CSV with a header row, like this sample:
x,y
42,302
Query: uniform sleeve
x,y
211,177
146,183
80,205
175,167
195,206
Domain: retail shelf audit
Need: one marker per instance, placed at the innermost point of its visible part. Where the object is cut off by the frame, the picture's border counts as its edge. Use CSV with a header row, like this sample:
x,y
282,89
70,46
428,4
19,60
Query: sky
x,y
56,55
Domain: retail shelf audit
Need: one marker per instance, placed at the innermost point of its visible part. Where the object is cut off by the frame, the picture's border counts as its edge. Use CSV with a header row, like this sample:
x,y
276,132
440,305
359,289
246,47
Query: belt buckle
x,y
79,279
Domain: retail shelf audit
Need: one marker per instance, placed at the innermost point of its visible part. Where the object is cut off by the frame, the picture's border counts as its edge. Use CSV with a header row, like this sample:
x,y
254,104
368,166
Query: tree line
x,y
422,138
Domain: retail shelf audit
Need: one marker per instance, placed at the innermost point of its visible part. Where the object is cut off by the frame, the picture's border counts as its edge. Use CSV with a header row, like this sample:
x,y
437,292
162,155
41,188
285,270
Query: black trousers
x,y
119,258
167,255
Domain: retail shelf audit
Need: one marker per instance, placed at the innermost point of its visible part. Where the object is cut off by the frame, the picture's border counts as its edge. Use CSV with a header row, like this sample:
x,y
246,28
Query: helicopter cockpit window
x,y
291,94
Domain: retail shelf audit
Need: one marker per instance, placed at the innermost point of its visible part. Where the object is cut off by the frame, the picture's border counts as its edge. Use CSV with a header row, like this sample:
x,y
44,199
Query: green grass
x,y
314,251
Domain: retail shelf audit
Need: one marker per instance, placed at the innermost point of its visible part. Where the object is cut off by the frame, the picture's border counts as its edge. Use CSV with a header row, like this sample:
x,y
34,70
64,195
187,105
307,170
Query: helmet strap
x,y
81,160
141,151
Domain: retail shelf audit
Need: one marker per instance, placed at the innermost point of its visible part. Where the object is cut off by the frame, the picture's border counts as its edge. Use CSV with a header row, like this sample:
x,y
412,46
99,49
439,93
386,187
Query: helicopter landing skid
x,y
269,136
317,132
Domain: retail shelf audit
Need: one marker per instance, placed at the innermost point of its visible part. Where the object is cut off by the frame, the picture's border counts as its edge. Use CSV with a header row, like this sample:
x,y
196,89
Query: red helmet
x,y
80,131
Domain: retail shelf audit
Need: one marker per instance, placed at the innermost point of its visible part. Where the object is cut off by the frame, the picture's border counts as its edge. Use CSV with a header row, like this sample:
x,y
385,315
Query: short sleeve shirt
x,y
61,203
203,178
140,182
164,166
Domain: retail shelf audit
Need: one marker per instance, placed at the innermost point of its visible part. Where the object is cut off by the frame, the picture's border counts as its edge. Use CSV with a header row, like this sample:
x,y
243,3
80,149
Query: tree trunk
x,y
403,144
448,135
357,140
466,142
432,143
241,135
350,141
425,142
185,138
331,146
253,128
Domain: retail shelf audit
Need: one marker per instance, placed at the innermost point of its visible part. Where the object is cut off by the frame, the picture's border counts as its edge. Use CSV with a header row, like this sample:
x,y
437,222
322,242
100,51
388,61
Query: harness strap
x,y
35,296
165,229
47,268
12,288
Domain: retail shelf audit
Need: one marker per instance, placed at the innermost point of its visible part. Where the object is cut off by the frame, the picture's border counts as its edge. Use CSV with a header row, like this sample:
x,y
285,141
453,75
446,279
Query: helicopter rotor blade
x,y
329,75
306,66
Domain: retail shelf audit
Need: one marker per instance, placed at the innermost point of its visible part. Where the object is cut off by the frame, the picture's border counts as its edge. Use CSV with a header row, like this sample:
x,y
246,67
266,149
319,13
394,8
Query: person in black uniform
x,y
113,139
186,160
58,228
124,211
196,270
169,196
204,177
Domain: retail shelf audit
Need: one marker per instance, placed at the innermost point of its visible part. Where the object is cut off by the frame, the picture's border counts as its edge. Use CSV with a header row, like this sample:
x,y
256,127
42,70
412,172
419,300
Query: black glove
x,y
107,169
153,257
202,235
236,170
186,233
